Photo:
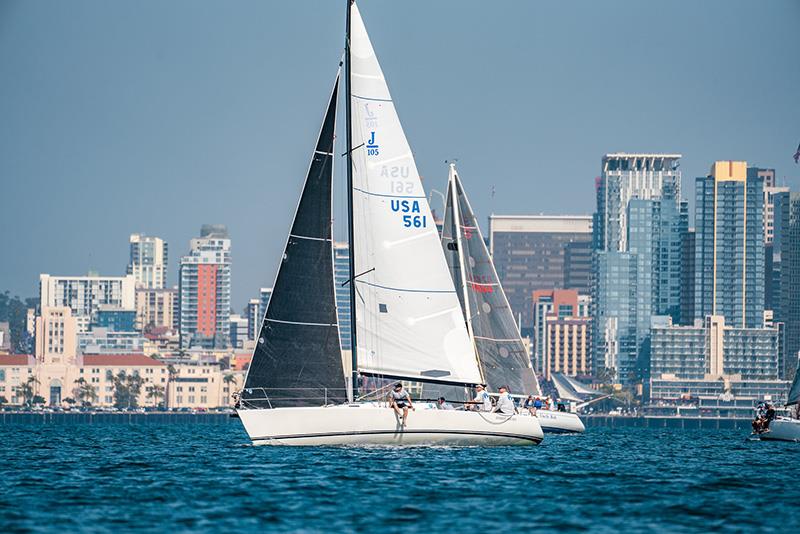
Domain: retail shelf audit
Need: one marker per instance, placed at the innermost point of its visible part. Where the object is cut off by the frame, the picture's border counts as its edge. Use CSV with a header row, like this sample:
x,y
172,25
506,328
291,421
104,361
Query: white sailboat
x,y
490,322
407,321
787,428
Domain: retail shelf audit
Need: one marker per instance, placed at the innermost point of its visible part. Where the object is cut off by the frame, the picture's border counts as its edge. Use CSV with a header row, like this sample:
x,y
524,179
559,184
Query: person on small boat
x,y
769,416
530,404
442,404
505,402
400,401
482,401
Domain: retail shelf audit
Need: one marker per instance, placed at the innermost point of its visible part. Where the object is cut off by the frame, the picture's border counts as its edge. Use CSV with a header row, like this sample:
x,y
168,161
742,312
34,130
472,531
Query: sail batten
x,y
297,360
503,357
408,318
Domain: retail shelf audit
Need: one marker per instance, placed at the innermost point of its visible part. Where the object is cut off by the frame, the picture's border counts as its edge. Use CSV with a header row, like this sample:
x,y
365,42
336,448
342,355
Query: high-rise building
x,y
639,231
148,261
84,295
786,265
539,252
561,332
771,189
625,177
729,245
341,274
614,298
205,290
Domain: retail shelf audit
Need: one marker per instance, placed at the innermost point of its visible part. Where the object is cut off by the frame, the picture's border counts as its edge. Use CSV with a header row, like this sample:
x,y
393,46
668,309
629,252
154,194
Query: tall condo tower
x,y
729,245
205,290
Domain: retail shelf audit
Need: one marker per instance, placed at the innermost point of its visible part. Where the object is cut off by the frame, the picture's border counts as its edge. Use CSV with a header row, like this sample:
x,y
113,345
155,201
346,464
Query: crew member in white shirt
x,y
505,402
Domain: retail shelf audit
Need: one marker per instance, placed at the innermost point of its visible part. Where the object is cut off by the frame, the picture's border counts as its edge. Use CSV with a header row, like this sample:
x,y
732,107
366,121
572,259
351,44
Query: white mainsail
x,y
409,321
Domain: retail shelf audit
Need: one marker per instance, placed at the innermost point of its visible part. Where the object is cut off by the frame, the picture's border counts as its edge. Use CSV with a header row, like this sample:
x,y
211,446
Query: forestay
x,y
408,319
503,357
297,360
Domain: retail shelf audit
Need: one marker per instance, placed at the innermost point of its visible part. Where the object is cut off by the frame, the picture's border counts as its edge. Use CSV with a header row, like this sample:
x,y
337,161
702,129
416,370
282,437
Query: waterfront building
x,y
786,265
95,379
341,274
539,252
729,245
155,308
56,335
84,295
712,358
205,290
640,228
148,261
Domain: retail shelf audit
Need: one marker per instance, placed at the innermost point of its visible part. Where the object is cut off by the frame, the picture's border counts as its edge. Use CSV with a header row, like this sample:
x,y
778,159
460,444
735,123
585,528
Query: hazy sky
x,y
158,116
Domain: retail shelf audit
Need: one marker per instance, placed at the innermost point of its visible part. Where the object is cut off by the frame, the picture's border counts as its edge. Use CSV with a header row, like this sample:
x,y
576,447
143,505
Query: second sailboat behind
x,y
496,339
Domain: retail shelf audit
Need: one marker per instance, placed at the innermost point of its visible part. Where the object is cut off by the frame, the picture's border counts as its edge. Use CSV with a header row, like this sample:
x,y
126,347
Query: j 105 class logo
x,y
372,145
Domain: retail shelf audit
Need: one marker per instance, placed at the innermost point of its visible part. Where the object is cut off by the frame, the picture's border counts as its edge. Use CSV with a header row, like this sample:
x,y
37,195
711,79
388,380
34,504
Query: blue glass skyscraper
x,y
729,245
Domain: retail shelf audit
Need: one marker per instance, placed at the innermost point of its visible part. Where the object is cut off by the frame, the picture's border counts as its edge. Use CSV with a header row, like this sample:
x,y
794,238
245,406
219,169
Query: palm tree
x,y
155,392
172,373
27,390
228,379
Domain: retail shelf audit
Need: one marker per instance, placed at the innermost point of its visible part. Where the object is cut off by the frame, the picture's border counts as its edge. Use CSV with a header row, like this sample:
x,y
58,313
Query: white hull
x,y
783,429
372,424
559,422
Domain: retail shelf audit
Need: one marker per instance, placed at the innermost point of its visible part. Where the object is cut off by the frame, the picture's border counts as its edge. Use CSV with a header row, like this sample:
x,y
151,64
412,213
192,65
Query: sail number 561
x,y
417,221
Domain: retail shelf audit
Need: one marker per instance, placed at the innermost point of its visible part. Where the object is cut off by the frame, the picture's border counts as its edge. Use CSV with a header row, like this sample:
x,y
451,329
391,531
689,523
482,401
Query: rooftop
x,y
15,359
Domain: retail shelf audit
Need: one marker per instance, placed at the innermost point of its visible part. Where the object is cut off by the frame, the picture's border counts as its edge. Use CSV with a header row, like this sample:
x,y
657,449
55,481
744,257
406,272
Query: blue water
x,y
115,477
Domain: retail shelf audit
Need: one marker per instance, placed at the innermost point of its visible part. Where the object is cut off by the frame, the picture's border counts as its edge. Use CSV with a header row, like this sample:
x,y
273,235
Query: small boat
x,y
495,337
786,428
407,323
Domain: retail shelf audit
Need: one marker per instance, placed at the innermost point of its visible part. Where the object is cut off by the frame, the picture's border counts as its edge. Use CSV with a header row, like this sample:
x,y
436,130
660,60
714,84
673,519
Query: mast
x,y
460,254
350,240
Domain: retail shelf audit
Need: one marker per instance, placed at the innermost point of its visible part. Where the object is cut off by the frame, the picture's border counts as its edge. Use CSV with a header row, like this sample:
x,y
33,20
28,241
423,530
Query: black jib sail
x,y
297,360
503,357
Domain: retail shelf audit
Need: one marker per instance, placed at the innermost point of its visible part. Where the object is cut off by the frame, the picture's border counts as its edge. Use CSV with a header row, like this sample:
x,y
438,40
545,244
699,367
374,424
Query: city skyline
x,y
175,125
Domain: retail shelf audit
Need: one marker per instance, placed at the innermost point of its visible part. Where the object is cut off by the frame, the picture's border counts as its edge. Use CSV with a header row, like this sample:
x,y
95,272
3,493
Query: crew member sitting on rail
x,y
482,401
442,404
530,404
400,400
505,402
